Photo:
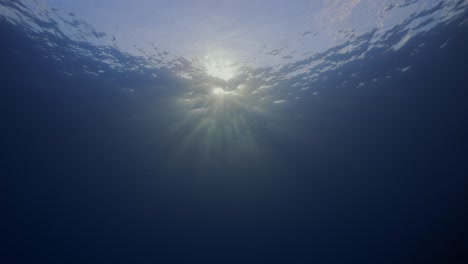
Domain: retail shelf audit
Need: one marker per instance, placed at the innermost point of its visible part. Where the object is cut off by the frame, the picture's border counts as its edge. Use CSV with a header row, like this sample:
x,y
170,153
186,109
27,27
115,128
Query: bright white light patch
x,y
219,66
218,91
220,71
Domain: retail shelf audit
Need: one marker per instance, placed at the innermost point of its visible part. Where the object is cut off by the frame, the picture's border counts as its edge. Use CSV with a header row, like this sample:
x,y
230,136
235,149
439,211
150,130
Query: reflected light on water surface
x,y
218,91
218,66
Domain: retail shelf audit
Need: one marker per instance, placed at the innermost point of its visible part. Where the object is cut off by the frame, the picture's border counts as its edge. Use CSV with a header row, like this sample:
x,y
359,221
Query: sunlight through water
x,y
220,67
219,91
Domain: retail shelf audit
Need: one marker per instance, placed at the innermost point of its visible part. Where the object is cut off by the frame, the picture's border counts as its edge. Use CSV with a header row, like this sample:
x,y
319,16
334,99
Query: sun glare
x,y
218,91
220,68
220,71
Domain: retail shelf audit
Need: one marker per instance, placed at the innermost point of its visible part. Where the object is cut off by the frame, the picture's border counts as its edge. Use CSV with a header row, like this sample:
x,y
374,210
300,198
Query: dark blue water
x,y
91,173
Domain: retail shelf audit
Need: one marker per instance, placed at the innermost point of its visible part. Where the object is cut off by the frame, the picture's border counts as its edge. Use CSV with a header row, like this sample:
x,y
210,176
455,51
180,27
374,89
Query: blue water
x,y
106,163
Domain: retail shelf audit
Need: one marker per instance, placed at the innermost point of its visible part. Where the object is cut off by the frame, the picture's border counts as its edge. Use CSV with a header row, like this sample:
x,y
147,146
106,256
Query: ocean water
x,y
353,154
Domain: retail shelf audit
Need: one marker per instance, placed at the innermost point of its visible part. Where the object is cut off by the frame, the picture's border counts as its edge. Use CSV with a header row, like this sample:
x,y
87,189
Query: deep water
x,y
378,174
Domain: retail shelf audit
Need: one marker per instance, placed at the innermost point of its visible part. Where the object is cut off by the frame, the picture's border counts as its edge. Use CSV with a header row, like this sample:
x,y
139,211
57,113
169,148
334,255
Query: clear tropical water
x,y
234,131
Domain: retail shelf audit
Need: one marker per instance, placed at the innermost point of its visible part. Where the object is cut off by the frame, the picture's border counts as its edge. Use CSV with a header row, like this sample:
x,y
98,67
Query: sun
x,y
219,91
218,70
219,67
